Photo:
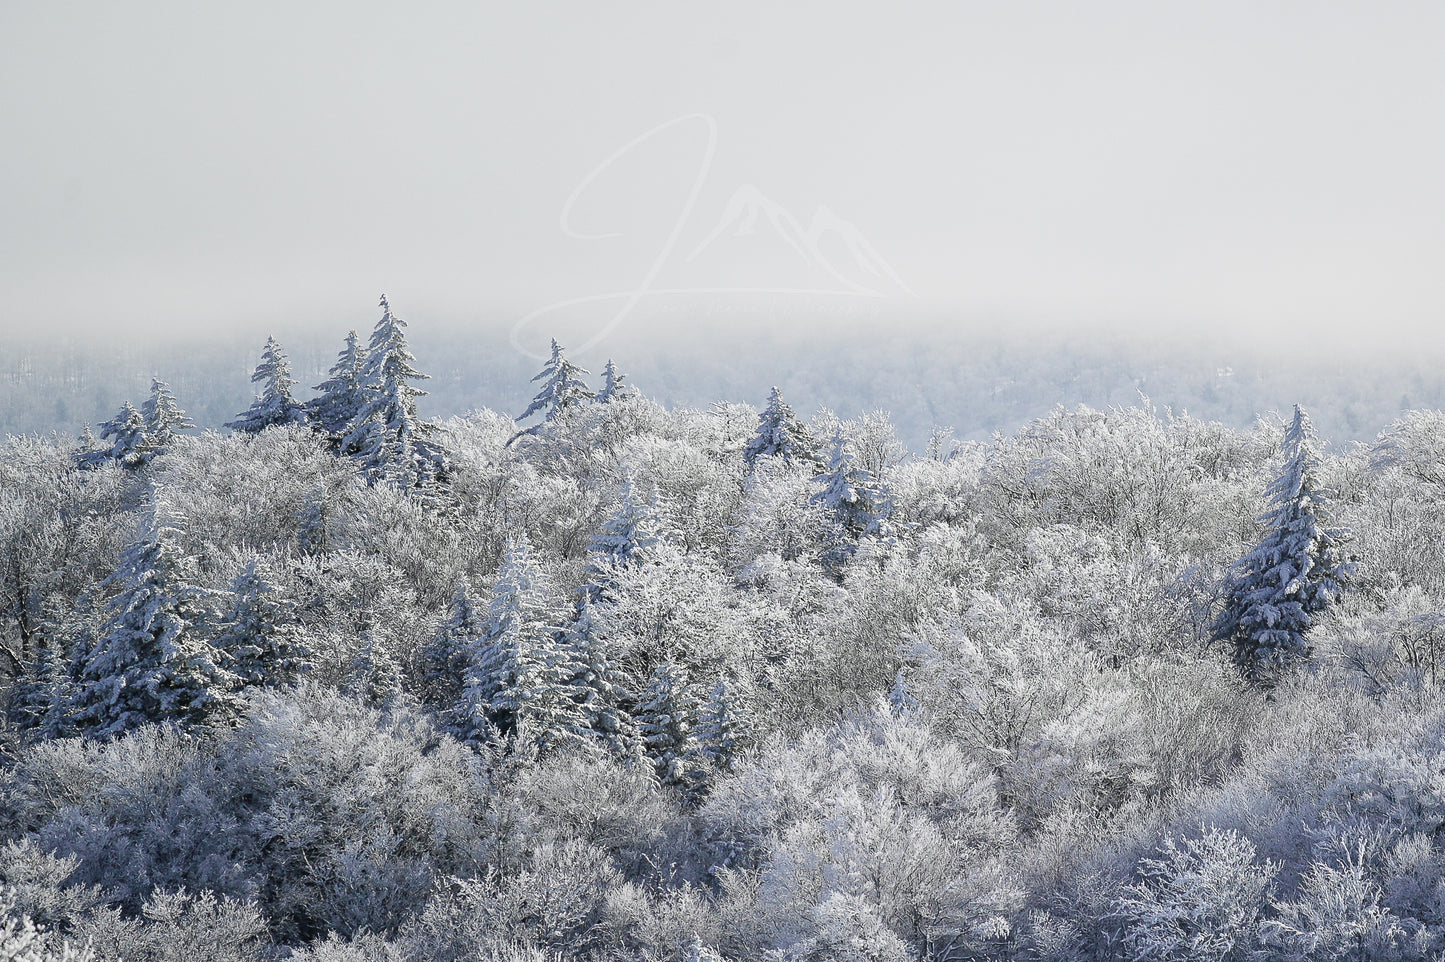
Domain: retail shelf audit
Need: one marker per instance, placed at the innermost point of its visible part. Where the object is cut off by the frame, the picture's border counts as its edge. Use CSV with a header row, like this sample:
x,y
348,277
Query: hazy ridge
x,y
973,383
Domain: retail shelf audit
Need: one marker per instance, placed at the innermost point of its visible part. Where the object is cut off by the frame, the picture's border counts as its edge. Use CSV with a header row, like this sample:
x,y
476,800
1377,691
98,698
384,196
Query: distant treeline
x,y
976,384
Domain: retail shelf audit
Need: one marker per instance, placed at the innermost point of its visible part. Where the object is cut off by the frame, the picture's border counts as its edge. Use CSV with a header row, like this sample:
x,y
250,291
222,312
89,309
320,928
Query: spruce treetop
x,y
782,434
515,644
388,359
857,499
667,714
151,662
275,405
388,435
562,389
343,393
635,527
163,416
127,433
1297,571
259,634
613,386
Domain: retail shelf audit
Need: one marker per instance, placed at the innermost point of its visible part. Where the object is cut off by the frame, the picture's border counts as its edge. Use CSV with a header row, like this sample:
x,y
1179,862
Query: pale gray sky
x,y
1248,166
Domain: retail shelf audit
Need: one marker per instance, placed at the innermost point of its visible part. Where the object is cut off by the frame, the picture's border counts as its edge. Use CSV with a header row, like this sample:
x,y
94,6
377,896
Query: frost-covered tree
x,y
445,656
601,686
857,502
562,389
1275,593
23,939
260,635
667,715
374,677
613,386
274,405
394,445
722,732
782,434
151,662
127,436
695,951
46,698
627,537
1198,901
163,418
343,393
137,436
545,698
518,672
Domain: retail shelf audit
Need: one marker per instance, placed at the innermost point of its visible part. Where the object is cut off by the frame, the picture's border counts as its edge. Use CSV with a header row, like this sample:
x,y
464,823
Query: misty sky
x,y
1249,166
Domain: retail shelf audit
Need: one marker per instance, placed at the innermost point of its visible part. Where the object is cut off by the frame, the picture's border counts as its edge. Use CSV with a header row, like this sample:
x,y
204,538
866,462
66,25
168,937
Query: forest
x,y
611,680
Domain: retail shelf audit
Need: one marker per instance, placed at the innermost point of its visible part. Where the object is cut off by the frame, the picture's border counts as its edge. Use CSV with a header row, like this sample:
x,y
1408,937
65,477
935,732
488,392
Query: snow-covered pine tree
x,y
163,418
395,446
782,434
46,697
858,503
601,687
374,677
445,656
666,717
260,635
1275,593
613,386
275,405
626,537
544,697
721,733
562,389
127,435
517,669
151,661
343,393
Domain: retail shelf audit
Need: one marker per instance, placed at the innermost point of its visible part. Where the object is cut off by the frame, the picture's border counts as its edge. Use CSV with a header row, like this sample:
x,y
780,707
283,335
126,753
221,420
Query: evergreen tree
x,y
374,677
151,661
782,434
445,657
666,717
260,634
163,418
613,386
721,731
601,687
393,443
275,405
857,502
313,531
517,669
1276,592
343,393
626,537
47,695
562,389
89,455
544,696
127,434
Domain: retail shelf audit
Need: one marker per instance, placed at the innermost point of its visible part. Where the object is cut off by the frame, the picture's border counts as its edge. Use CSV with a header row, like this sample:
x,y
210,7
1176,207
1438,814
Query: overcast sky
x,y
1247,166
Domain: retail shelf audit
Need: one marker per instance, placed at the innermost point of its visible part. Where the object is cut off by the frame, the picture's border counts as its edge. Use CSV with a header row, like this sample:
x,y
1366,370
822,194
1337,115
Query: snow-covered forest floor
x,y
683,684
